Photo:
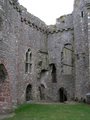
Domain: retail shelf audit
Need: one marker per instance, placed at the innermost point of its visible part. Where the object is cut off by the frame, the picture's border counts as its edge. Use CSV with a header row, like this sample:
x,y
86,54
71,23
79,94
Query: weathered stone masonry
x,y
40,62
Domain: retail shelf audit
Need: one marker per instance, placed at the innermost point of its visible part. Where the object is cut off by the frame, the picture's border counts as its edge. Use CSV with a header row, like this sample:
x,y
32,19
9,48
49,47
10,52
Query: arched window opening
x,y
28,64
67,59
29,93
3,73
62,95
53,72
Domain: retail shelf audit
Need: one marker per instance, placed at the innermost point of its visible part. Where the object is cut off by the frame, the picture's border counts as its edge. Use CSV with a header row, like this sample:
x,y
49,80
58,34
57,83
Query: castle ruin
x,y
40,62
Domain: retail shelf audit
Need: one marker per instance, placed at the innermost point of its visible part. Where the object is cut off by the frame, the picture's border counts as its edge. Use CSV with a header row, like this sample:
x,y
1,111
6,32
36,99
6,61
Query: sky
x,y
48,10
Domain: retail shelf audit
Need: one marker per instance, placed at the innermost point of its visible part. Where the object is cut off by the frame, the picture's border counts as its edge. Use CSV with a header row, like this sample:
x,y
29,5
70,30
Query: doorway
x,y
62,95
42,92
29,93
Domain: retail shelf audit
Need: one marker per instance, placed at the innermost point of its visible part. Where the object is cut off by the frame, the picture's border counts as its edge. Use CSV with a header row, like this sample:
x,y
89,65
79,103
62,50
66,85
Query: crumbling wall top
x,y
63,23
27,17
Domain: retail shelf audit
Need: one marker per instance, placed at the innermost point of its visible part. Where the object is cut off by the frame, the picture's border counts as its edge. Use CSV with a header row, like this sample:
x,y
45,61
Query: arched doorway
x,y
42,92
29,93
62,95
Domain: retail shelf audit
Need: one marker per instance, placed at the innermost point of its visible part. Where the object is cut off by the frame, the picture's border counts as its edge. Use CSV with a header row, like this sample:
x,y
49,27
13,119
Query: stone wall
x,y
20,31
30,33
63,34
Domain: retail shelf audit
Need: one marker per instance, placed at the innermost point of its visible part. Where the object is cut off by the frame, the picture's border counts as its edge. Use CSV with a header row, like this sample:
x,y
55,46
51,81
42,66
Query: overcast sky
x,y
48,10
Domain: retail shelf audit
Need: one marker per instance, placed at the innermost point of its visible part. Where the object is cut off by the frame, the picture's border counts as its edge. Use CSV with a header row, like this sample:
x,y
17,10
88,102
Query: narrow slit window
x,y
82,15
28,64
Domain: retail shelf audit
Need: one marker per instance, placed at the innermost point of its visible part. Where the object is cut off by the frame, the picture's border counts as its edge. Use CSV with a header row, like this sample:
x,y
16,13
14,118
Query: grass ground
x,y
52,112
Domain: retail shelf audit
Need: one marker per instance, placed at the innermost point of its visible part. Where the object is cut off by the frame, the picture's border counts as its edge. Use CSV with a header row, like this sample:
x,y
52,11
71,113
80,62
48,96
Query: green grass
x,y
52,112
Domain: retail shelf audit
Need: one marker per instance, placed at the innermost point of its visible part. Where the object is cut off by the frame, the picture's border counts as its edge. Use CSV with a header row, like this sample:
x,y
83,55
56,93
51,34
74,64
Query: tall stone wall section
x,y
8,53
20,31
31,34
81,49
59,35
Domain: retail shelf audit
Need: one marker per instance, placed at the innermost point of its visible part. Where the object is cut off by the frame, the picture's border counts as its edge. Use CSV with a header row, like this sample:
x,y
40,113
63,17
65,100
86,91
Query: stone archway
x,y
62,95
29,92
